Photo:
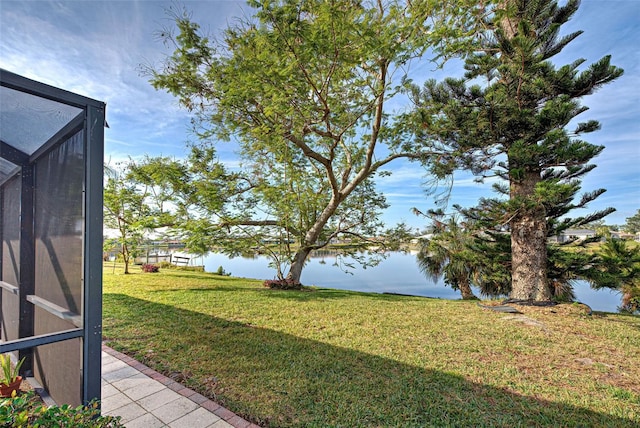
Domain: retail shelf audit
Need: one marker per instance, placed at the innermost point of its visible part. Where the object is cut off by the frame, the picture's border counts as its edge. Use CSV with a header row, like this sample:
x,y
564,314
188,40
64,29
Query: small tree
x,y
398,237
633,223
126,211
448,254
515,126
618,268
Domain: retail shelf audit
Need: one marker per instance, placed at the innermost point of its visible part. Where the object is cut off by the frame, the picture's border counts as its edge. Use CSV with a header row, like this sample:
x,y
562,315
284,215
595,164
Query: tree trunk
x,y
528,243
126,257
465,290
311,237
295,271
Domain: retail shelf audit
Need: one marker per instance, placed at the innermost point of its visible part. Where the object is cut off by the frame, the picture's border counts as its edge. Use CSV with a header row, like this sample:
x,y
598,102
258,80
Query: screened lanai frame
x,y
51,181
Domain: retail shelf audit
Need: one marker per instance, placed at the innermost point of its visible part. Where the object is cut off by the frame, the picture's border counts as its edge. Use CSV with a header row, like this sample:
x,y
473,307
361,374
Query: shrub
x,y
149,268
282,284
222,272
26,410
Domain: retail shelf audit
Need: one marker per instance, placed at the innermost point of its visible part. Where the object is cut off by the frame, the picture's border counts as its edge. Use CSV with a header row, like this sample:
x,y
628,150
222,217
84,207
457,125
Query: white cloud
x,y
96,48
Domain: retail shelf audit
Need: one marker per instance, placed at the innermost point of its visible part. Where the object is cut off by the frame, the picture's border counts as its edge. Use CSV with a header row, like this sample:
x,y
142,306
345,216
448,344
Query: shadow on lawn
x,y
280,380
321,293
305,295
203,276
621,317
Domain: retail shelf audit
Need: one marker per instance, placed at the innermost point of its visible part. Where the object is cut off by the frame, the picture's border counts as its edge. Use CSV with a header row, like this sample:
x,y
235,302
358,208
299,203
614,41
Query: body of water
x,y
398,273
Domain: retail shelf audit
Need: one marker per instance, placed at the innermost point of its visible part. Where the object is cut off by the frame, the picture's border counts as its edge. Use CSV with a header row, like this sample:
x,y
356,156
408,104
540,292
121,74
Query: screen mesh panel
x,y
10,257
59,180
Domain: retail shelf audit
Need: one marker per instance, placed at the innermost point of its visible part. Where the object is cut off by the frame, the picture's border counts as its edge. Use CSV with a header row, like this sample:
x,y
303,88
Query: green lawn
x,y
337,358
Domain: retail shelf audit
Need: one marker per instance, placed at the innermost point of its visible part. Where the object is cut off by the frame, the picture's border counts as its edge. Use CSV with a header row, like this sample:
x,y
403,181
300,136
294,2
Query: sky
x,y
99,48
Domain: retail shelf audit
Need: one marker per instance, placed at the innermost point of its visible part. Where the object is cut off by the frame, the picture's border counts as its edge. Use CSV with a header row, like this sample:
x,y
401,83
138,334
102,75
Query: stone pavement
x,y
145,398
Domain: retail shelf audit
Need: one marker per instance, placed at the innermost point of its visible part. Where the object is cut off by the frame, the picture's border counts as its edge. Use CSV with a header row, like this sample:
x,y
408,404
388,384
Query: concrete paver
x,y
175,410
128,413
221,424
158,399
198,418
146,421
146,398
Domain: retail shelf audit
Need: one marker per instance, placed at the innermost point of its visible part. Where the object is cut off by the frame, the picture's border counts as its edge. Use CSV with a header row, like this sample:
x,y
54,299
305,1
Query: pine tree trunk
x,y
465,290
528,244
529,226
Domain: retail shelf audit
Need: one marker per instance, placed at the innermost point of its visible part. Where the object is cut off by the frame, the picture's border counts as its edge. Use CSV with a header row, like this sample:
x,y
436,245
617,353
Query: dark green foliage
x,y
633,223
448,254
514,125
27,411
222,272
618,267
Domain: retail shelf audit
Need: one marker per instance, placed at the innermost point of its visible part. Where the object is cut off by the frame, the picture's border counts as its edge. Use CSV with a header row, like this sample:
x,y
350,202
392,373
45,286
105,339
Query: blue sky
x,y
95,48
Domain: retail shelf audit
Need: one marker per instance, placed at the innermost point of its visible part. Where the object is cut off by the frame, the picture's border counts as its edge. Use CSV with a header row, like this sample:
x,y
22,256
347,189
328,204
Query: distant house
x,y
417,239
573,234
626,236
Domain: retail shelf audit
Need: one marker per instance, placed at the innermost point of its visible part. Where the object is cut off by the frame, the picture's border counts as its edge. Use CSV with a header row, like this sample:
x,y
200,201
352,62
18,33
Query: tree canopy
x,y
304,88
509,117
632,224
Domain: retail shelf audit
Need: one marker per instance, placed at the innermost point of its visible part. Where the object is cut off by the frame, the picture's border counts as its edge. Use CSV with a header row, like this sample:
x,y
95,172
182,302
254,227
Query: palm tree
x,y
619,268
447,255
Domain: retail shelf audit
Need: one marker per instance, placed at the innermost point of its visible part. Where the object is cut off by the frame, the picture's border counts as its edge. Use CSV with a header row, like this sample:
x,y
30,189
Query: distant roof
x,y
579,231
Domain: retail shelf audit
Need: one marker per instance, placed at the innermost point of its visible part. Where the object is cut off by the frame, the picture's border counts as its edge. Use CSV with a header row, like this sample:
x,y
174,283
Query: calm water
x,y
396,274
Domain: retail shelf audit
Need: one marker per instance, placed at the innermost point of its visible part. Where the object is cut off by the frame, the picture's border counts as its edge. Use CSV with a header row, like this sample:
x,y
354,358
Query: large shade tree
x,y
304,88
509,116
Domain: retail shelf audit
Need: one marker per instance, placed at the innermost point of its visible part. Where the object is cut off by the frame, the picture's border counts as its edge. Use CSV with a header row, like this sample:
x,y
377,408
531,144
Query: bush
x,y
26,410
282,284
222,272
149,268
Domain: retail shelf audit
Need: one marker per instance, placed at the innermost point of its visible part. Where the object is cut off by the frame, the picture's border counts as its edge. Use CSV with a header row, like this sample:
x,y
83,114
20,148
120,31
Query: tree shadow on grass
x,y
624,318
322,293
304,295
280,380
206,276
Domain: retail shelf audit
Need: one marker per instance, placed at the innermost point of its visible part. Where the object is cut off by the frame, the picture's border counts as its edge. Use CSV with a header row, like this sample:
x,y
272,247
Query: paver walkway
x,y
146,398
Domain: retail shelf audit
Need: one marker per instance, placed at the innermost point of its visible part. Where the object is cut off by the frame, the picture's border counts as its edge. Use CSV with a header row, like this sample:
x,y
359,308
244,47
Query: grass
x,y
336,358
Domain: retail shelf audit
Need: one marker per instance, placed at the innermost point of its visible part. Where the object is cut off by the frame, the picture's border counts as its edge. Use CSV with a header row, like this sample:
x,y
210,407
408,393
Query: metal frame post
x,y
27,264
92,298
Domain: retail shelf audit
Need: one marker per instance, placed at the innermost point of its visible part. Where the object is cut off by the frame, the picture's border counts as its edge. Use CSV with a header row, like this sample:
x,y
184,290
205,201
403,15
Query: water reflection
x,y
398,273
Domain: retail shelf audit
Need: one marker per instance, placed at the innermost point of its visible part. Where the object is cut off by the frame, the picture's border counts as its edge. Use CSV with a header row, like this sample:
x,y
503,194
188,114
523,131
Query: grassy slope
x,y
338,358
